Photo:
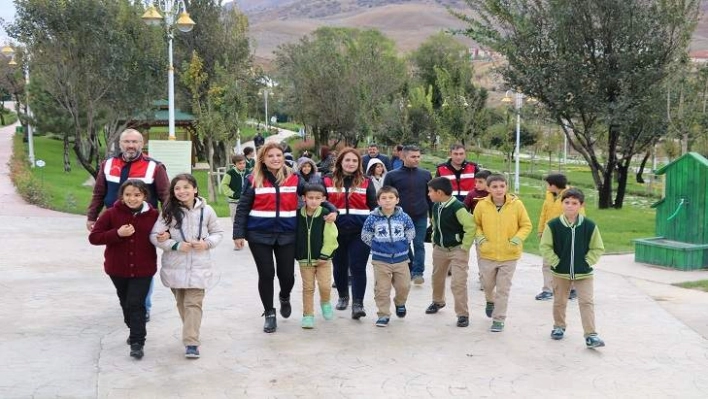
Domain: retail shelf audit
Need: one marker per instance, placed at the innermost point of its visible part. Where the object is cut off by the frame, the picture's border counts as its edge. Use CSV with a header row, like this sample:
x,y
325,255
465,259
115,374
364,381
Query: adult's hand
x,y
239,243
89,224
162,237
331,217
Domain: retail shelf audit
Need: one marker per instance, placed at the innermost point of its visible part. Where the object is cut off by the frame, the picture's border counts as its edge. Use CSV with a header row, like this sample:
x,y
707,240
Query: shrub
x,y
28,186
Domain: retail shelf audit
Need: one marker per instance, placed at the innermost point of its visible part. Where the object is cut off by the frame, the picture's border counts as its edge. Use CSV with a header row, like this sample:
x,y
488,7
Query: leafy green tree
x,y
593,64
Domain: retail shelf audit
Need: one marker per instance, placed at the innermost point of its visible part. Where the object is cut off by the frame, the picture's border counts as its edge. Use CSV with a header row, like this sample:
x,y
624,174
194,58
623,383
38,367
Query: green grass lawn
x,y
9,116
701,285
66,192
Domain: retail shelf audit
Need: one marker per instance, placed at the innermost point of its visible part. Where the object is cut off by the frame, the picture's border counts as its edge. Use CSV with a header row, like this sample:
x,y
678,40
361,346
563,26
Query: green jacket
x,y
232,184
316,239
571,249
452,225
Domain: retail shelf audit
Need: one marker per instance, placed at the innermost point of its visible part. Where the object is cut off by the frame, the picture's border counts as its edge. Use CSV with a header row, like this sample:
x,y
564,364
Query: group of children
x,y
490,218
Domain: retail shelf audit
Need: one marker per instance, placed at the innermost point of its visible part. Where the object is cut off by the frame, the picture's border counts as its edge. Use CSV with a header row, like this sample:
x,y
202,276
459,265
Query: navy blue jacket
x,y
412,186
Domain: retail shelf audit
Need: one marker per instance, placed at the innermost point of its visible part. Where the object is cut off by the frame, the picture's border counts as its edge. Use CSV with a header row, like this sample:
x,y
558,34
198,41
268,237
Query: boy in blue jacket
x,y
389,231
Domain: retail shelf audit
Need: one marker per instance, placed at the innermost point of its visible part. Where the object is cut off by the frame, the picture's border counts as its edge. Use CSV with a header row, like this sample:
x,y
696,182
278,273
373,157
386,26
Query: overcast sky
x,y
7,12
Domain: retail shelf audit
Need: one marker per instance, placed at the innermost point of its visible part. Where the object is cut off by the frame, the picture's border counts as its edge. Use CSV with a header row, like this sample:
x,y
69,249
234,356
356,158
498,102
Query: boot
x,y
270,323
358,309
342,303
136,351
285,308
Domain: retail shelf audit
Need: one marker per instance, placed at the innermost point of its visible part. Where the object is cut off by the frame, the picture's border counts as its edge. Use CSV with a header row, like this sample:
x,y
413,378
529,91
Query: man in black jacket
x,y
412,185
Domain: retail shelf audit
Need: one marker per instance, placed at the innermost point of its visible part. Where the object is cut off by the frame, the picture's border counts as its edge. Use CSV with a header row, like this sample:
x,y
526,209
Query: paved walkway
x,y
62,336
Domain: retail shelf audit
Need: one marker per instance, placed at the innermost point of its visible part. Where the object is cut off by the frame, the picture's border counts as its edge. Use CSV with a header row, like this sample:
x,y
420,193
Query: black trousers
x,y
132,292
284,265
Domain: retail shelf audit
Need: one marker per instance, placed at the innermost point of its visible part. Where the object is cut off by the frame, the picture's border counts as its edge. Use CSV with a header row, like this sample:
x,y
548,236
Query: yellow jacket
x,y
552,208
500,234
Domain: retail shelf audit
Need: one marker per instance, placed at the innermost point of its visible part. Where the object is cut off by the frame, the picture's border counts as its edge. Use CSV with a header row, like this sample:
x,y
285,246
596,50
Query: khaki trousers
x,y
386,275
584,288
497,274
189,305
233,206
547,277
323,276
457,261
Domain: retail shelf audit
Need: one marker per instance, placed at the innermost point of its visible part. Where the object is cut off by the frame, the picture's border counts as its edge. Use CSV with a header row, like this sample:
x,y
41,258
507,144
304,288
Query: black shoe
x,y
270,323
285,308
136,351
463,321
573,295
434,307
358,309
342,303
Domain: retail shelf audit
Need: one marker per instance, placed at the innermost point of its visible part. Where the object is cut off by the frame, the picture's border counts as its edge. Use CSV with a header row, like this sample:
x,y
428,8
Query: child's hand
x,y
184,247
200,245
515,241
126,230
162,237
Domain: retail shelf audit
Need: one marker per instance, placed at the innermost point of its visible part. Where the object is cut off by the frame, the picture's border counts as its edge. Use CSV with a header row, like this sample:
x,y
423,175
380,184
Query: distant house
x,y
699,56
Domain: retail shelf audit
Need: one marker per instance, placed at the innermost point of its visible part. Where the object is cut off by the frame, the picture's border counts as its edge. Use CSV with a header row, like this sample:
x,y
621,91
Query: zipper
x,y
390,233
572,252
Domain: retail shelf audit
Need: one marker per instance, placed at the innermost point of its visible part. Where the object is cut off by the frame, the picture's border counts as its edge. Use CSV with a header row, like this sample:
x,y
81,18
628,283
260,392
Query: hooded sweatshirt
x,y
378,181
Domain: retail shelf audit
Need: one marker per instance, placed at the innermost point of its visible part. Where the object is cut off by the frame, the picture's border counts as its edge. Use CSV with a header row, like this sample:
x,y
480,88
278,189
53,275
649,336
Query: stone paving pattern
x,y
62,334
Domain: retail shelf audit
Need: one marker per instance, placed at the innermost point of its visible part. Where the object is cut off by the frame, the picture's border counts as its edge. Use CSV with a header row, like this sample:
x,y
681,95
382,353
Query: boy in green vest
x,y
571,244
232,184
453,235
316,242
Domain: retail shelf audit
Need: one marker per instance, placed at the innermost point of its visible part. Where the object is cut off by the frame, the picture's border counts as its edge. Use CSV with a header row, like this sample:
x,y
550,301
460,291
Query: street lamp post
x,y
518,102
265,93
171,9
8,51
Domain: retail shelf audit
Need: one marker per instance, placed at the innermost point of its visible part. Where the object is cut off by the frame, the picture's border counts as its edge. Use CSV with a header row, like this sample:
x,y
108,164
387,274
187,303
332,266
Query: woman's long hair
x,y
172,210
260,168
338,174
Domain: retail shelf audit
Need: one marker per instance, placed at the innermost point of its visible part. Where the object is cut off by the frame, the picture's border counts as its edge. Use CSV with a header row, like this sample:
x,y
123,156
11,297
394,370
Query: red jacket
x,y
462,180
132,256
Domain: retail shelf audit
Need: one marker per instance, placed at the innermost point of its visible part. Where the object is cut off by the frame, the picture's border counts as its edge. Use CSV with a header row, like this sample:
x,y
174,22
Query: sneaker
x,y
463,321
573,294
489,309
285,308
136,351
557,333
418,280
327,311
593,341
544,296
382,321
192,352
308,322
401,311
497,326
434,307
342,303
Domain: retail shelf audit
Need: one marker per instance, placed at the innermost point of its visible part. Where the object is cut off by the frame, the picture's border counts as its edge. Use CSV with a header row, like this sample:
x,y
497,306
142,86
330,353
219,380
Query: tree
x,y
593,64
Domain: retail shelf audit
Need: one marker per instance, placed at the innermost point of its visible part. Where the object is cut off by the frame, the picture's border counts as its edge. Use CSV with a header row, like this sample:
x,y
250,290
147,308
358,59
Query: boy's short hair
x,y
248,150
557,179
573,193
399,147
495,177
237,158
386,190
314,188
441,183
482,174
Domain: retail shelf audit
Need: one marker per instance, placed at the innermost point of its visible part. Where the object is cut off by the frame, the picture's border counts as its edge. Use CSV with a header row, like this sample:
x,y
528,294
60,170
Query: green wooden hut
x,y
681,217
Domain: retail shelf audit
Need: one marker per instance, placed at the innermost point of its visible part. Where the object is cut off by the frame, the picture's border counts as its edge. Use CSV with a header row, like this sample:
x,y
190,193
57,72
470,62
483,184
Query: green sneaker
x,y
308,322
497,326
327,312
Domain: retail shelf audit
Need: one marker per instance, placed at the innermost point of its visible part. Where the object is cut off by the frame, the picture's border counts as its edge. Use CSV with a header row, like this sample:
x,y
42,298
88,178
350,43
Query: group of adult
x,y
266,215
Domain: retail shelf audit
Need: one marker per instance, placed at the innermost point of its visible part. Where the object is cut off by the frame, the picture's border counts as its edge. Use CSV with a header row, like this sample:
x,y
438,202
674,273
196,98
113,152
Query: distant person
x,y
373,152
327,159
389,232
502,226
376,170
130,258
396,160
130,163
187,269
459,171
250,155
411,182
571,244
479,193
452,238
315,246
556,185
233,183
258,140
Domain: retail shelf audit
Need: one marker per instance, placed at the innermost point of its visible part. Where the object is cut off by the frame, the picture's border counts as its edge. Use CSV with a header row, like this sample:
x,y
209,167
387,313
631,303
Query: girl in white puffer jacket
x,y
186,261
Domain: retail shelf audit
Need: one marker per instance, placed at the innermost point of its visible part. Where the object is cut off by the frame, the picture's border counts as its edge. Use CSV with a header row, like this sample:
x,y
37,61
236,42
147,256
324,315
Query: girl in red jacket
x,y
130,258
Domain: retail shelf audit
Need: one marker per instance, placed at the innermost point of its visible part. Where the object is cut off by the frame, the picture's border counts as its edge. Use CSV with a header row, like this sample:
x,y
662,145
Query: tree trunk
x,y
640,179
622,174
67,160
212,171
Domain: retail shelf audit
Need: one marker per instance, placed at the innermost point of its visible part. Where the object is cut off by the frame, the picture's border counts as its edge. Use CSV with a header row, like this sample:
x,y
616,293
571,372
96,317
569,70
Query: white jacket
x,y
191,269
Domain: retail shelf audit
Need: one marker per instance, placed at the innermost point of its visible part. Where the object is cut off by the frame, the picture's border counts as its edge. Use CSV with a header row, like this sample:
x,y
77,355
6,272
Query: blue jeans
x,y
417,251
148,298
352,255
